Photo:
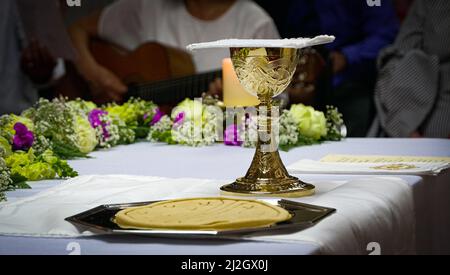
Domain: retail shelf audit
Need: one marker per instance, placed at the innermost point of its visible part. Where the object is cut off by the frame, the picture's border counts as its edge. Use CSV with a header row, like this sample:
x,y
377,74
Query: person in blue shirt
x,y
361,32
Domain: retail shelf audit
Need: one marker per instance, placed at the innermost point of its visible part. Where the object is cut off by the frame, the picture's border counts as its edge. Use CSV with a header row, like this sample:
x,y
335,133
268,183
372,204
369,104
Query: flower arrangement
x,y
20,162
132,118
300,125
35,145
195,124
191,123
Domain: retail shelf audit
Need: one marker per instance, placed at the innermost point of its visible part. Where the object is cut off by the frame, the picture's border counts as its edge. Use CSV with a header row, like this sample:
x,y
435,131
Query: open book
x,y
384,165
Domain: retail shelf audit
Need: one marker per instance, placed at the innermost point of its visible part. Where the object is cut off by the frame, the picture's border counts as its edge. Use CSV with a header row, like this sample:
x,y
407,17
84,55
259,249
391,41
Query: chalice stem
x,y
266,162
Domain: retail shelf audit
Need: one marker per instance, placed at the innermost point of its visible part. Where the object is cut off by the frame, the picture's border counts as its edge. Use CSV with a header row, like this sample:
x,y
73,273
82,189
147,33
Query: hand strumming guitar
x,y
105,85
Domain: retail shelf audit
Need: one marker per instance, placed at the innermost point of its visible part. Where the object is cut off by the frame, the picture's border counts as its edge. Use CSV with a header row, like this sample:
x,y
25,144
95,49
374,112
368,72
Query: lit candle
x,y
234,95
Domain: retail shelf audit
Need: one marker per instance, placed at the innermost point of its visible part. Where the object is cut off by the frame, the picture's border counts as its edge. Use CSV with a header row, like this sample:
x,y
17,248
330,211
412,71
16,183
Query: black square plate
x,y
100,219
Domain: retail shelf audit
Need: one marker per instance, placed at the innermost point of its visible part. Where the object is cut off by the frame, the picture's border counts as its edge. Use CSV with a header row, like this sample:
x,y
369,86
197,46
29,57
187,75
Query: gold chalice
x,y
265,68
265,73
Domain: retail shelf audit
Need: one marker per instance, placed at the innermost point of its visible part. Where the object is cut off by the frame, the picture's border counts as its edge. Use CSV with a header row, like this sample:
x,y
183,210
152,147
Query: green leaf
x,y
22,185
165,136
141,131
65,151
302,141
18,178
64,170
19,182
6,146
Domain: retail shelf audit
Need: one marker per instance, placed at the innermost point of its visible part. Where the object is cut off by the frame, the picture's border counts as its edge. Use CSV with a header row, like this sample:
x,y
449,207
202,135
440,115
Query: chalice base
x,y
268,177
290,187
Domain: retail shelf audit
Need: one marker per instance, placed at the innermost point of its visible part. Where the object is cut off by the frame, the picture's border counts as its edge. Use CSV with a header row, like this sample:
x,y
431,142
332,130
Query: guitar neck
x,y
174,90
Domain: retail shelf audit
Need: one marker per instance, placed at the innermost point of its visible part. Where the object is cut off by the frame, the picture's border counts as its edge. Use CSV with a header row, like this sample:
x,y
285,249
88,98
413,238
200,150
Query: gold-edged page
x,y
381,159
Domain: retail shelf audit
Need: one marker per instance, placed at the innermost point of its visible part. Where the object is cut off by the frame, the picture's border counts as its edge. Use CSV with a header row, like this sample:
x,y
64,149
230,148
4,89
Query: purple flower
x,y
23,139
179,118
157,117
231,136
95,118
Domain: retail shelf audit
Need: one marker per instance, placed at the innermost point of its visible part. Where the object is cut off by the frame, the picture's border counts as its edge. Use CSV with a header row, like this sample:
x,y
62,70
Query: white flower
x,y
288,134
248,131
163,125
195,130
5,178
192,109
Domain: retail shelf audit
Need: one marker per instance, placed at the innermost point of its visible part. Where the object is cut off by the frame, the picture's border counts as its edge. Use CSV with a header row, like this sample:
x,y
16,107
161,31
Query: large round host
x,y
202,214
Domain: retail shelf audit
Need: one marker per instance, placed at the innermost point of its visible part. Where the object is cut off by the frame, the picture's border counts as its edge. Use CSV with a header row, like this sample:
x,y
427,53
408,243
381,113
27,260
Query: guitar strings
x,y
179,88
207,76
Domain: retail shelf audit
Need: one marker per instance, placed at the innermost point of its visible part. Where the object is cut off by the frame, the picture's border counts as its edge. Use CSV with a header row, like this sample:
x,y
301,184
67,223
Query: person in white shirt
x,y
175,23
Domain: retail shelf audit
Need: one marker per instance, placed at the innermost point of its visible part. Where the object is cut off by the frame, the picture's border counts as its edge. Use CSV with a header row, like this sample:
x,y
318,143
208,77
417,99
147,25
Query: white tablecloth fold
x,y
376,209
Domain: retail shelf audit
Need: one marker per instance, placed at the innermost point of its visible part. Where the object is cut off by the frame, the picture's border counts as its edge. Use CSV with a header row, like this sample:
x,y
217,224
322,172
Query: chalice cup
x,y
265,73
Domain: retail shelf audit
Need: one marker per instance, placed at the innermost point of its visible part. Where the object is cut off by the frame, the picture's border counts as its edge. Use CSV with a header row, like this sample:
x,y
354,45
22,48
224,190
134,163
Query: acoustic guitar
x,y
153,71
167,75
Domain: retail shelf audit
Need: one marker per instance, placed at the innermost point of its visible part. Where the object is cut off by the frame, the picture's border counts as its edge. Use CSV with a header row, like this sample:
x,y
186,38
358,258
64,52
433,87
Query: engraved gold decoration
x,y
397,166
266,72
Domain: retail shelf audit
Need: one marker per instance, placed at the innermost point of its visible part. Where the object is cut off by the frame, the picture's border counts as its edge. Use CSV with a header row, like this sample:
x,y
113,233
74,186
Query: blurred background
x,y
387,72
